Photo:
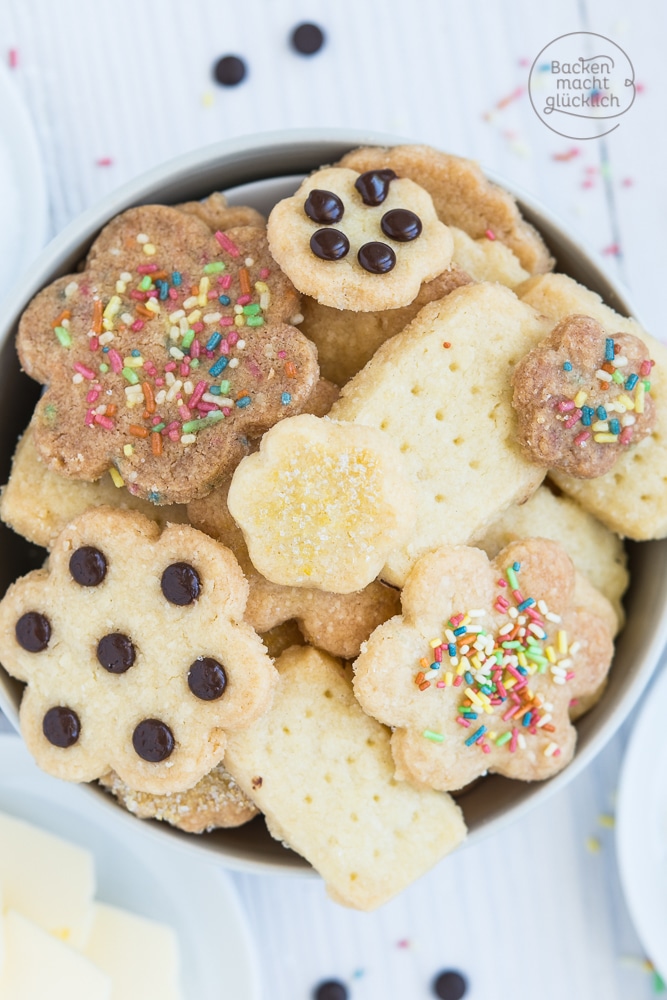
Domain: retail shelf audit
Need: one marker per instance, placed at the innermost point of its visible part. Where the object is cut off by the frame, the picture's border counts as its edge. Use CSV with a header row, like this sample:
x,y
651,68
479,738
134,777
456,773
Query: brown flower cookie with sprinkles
x,y
478,673
134,653
359,241
168,352
582,398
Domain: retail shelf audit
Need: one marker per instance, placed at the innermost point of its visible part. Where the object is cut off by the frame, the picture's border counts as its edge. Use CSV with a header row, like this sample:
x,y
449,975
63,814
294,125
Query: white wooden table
x,y
116,88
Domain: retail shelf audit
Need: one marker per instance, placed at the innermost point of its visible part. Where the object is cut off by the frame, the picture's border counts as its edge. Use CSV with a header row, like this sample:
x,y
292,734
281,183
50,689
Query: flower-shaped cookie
x,y
164,355
478,672
134,654
462,197
359,241
334,623
582,397
322,503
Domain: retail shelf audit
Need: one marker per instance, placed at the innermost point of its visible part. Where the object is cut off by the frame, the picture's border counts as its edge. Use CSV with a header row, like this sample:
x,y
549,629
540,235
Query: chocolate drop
x,y
61,727
373,186
324,207
115,652
229,71
307,39
88,566
332,989
33,631
153,740
377,258
450,985
329,244
207,678
181,584
402,225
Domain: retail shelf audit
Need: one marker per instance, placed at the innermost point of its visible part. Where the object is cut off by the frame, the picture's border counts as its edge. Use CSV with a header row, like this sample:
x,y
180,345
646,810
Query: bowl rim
x,y
305,146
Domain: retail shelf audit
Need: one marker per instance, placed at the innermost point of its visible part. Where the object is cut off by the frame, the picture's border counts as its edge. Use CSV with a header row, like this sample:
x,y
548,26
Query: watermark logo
x,y
580,84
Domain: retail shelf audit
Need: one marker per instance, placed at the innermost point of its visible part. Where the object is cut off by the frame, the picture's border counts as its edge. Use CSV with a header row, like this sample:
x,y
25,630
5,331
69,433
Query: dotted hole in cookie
x,y
439,498
458,441
416,390
440,415
454,366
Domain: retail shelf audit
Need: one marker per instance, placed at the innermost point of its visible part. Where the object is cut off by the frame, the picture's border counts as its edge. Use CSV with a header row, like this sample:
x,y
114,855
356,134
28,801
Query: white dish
x,y
641,825
196,899
23,203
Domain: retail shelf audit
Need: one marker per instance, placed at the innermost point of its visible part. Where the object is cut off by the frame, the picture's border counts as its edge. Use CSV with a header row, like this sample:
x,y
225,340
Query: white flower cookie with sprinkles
x,y
479,671
582,397
162,358
134,653
359,241
321,504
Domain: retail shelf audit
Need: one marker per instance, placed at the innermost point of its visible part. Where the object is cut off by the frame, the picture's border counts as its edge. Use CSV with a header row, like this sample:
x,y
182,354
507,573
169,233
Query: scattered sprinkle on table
x,y
229,71
307,39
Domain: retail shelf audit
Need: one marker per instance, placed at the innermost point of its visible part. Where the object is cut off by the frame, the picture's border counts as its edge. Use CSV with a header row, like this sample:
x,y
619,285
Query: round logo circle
x,y
580,84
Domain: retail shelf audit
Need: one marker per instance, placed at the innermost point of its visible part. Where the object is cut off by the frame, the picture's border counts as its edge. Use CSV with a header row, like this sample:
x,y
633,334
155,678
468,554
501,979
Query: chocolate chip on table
x,y
324,207
401,225
377,258
450,985
153,740
307,39
332,989
229,71
329,244
116,652
181,584
33,631
207,678
88,566
61,727
373,186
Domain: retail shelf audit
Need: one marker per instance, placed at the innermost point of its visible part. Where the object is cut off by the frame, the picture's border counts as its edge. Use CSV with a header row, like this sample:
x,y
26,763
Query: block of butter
x,y
140,956
37,965
47,880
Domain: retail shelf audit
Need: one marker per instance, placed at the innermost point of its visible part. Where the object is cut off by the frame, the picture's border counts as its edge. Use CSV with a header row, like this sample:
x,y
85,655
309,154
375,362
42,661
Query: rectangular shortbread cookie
x,y
441,389
322,772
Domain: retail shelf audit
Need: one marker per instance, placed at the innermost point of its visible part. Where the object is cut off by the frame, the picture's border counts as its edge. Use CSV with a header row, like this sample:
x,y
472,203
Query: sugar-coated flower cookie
x,y
162,358
582,397
134,653
359,241
462,196
478,673
215,801
321,504
335,623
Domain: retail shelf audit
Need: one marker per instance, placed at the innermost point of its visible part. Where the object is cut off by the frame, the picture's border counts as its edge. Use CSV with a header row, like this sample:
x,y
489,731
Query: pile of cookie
x,y
334,508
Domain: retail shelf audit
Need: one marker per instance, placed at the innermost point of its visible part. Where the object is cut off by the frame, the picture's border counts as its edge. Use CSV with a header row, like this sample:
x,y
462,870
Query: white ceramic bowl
x,y
259,170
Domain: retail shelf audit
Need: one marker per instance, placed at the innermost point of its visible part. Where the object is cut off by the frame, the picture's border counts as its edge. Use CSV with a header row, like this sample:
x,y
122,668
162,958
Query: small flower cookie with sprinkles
x,y
582,397
359,241
134,653
162,358
322,503
478,673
